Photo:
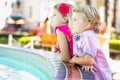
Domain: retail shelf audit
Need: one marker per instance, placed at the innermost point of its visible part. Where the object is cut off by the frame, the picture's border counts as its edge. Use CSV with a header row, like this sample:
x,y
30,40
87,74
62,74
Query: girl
x,y
86,46
60,21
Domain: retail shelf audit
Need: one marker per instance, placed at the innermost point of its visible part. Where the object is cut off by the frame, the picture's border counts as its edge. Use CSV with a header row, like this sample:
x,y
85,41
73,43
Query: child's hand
x,y
73,59
89,68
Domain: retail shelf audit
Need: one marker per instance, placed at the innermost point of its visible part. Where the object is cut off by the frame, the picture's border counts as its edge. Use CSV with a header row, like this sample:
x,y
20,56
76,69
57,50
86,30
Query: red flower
x,y
64,8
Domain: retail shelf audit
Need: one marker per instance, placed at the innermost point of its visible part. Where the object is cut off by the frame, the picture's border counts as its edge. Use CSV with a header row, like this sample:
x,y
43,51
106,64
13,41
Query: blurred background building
x,y
39,10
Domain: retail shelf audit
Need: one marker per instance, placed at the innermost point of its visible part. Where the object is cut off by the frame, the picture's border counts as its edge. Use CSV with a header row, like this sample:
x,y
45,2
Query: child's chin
x,y
73,32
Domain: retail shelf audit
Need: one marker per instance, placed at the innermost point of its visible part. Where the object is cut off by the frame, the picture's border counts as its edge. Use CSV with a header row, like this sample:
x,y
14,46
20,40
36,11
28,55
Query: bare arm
x,y
83,61
62,40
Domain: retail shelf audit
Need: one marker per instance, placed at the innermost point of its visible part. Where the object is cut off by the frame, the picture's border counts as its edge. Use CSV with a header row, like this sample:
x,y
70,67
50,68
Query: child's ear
x,y
65,19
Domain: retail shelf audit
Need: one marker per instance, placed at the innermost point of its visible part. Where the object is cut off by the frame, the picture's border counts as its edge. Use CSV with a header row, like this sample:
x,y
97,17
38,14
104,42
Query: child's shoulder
x,y
89,34
63,29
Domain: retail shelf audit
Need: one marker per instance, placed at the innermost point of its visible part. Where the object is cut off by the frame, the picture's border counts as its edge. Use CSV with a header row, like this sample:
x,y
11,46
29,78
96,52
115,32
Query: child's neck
x,y
64,24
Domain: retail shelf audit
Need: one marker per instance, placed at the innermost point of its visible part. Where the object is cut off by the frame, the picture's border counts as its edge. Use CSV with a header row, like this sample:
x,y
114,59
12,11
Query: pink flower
x,y
64,8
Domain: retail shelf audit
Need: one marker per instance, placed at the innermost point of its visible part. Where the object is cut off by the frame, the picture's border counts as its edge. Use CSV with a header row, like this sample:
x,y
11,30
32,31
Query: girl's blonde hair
x,y
89,14
70,11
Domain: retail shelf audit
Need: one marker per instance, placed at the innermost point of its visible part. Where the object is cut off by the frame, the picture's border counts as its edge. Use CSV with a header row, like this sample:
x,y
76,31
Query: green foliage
x,y
24,39
118,36
114,44
3,40
115,36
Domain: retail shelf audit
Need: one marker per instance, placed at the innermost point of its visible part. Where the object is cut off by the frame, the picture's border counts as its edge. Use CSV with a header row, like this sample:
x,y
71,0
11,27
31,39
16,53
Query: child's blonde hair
x,y
89,14
56,7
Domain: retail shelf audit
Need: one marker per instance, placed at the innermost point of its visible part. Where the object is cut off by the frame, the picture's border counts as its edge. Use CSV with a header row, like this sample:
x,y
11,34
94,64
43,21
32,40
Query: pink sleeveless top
x,y
66,31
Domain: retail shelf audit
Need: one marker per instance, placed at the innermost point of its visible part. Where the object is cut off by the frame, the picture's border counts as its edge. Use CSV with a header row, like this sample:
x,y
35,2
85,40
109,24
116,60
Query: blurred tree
x,y
114,13
106,9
